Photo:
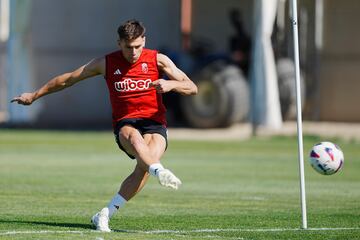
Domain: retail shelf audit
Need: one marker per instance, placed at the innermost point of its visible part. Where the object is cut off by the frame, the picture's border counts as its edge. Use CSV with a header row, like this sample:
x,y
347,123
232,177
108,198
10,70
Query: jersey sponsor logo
x,y
117,72
130,85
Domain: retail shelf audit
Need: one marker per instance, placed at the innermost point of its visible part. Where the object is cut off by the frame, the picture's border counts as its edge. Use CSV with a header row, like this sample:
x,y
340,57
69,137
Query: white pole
x,y
4,20
298,110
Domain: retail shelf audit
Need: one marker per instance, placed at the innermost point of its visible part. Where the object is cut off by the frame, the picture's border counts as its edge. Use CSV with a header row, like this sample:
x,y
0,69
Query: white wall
x,y
340,60
68,33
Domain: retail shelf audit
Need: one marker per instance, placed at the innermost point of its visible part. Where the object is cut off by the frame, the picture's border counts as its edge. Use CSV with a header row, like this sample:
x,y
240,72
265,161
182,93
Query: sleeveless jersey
x,y
128,84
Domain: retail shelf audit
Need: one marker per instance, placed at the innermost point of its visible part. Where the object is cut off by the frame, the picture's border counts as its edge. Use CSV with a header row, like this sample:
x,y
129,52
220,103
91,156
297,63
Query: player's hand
x,y
24,99
162,85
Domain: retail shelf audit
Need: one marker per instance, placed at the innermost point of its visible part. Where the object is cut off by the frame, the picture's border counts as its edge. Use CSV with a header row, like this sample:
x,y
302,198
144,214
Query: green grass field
x,y
52,182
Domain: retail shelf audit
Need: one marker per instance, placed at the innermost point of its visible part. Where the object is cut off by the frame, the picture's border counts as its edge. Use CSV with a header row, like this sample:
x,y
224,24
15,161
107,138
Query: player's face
x,y
132,49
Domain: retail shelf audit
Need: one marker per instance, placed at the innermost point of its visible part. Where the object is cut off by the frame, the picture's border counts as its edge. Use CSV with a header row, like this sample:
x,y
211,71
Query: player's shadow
x,y
52,224
64,225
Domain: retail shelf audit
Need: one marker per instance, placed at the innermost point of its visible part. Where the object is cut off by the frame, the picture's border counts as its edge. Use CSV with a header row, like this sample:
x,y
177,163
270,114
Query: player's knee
x,y
130,138
124,134
137,142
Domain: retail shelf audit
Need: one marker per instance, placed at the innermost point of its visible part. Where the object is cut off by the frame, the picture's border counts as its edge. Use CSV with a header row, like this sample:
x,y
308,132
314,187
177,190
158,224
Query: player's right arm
x,y
60,82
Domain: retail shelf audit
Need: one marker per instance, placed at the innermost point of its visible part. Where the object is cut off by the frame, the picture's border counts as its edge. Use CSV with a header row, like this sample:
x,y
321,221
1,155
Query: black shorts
x,y
144,126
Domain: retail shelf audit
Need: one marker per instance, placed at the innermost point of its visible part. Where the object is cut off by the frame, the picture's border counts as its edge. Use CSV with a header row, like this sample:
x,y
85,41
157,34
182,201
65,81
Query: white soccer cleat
x,y
168,179
101,220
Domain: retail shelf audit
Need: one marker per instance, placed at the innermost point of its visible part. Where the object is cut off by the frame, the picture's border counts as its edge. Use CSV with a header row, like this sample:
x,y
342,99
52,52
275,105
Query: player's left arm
x,y
178,80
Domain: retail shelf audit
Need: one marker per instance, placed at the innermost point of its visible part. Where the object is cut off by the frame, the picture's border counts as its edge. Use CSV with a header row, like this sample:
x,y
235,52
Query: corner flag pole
x,y
298,111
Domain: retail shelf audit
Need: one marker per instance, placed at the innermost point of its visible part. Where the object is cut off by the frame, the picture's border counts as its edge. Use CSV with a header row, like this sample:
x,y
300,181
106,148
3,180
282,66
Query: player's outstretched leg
x,y
148,150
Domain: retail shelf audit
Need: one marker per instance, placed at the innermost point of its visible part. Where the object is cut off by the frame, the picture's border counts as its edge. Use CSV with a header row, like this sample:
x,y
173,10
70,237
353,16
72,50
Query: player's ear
x,y
118,42
144,38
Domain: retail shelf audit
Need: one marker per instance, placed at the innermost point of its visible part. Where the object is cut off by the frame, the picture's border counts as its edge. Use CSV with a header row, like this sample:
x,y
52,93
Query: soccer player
x,y
132,76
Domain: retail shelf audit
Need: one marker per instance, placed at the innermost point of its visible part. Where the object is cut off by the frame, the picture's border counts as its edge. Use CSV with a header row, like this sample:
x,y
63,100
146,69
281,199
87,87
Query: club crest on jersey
x,y
144,67
130,85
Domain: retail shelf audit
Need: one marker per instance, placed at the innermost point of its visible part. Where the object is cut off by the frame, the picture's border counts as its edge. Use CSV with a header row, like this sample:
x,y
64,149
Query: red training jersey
x,y
128,84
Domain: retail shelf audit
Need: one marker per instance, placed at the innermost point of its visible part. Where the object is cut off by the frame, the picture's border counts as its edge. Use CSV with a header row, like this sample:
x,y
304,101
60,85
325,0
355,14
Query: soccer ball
x,y
326,158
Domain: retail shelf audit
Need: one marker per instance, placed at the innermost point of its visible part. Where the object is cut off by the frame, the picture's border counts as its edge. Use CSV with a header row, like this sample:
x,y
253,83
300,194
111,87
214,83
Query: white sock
x,y
116,202
155,168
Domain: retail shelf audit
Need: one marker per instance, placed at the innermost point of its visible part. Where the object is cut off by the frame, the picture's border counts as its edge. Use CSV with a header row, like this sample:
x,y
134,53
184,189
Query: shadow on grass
x,y
63,225
51,224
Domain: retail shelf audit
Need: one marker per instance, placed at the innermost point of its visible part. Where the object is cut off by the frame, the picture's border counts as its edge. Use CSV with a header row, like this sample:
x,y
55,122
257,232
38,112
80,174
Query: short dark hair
x,y
131,30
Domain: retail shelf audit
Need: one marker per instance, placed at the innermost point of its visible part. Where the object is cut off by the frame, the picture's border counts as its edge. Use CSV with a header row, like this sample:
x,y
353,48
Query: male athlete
x,y
132,75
